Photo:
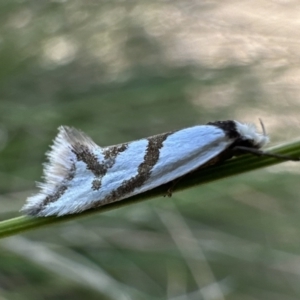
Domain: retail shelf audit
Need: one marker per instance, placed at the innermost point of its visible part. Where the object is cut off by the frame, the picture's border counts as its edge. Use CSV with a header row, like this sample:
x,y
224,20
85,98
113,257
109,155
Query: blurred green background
x,y
123,70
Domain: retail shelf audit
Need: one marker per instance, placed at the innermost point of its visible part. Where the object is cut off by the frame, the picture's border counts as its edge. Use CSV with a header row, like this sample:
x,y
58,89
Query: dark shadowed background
x,y
123,70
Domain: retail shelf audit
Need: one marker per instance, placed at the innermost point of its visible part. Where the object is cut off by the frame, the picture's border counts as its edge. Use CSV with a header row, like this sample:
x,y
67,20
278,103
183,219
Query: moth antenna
x,y
262,127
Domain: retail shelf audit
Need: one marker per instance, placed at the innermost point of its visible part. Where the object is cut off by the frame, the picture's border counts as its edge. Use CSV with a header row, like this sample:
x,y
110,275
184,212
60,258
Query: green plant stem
x,y
231,167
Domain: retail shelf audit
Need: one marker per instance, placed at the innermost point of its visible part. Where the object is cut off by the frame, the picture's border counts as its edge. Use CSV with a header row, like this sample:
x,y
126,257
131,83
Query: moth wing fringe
x,y
60,161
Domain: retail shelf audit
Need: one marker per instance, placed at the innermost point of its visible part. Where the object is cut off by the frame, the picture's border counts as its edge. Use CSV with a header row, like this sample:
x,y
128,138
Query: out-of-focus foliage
x,y
122,70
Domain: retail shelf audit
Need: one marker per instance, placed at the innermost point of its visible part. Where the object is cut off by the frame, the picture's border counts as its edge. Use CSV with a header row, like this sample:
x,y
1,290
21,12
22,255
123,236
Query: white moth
x,y
81,175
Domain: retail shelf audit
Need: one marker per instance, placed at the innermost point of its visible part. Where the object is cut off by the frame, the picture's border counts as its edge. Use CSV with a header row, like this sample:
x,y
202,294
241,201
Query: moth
x,y
81,175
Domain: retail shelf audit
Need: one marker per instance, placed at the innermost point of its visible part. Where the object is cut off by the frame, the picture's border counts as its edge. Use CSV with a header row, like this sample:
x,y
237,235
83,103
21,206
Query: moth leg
x,y
262,153
172,187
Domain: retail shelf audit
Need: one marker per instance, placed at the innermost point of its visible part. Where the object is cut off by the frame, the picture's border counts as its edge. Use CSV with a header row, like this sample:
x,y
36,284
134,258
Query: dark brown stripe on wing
x,y
96,184
113,151
58,193
99,169
84,154
151,157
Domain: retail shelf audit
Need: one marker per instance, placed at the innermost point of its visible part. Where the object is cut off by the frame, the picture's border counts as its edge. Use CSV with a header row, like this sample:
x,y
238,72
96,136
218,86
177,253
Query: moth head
x,y
248,133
